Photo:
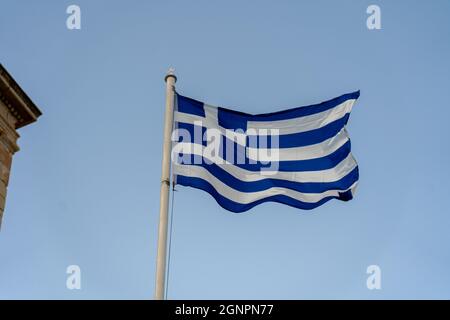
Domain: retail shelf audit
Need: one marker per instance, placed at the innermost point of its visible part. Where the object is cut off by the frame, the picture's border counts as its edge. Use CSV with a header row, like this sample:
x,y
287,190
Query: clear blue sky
x,y
84,189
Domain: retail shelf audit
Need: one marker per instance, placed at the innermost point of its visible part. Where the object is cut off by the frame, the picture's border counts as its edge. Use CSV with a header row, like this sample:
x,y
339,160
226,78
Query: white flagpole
x,y
165,187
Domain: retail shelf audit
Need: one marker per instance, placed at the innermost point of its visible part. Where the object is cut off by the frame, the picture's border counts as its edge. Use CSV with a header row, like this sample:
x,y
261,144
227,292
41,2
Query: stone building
x,y
16,111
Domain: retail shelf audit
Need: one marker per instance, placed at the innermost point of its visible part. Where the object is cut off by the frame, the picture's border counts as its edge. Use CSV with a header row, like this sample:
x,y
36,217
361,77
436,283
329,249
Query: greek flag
x,y
300,157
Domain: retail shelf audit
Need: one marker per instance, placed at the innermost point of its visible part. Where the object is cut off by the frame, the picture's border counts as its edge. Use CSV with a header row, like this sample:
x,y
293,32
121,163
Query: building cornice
x,y
16,100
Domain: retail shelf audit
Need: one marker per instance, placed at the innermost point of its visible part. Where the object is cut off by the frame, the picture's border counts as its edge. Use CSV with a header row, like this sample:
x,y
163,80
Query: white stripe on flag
x,y
249,197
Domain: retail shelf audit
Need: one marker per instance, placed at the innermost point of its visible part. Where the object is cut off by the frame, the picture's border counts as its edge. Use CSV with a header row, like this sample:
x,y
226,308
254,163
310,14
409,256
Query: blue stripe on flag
x,y
236,207
195,107
260,185
299,139
315,164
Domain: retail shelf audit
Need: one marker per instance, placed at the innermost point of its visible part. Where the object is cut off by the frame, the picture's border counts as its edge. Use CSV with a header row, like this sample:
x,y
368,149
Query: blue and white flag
x,y
300,157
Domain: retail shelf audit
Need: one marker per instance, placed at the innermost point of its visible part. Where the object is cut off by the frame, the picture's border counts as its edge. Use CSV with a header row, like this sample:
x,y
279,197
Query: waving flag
x,y
300,157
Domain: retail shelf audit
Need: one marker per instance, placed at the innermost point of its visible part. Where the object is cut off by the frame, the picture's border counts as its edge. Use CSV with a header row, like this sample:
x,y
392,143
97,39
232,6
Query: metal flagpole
x,y
165,187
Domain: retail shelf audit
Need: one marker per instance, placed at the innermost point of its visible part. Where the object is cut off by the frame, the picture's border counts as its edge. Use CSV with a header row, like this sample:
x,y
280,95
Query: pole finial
x,y
170,73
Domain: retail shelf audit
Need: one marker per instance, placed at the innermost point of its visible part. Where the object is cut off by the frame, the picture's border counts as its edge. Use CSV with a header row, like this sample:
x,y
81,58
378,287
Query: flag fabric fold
x,y
300,157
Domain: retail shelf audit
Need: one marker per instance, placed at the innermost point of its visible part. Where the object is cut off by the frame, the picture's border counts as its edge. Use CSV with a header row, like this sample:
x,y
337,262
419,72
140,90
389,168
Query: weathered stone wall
x,y
8,146
16,110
